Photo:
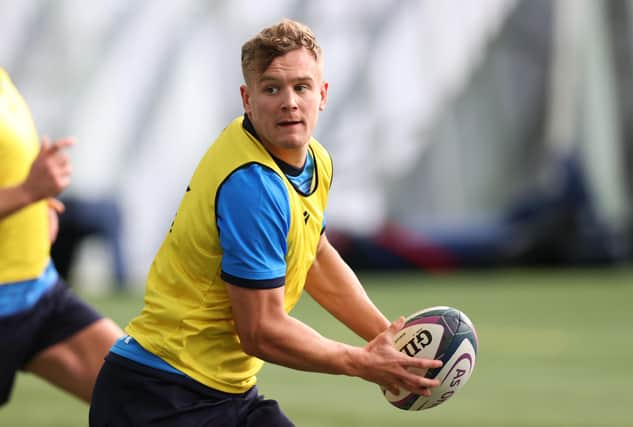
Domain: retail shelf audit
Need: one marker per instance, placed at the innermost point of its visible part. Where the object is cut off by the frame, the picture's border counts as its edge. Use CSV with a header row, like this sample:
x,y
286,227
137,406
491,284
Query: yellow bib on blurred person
x,y
24,244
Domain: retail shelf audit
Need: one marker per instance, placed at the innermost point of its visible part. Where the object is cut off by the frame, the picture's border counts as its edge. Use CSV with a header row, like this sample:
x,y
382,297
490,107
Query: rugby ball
x,y
443,333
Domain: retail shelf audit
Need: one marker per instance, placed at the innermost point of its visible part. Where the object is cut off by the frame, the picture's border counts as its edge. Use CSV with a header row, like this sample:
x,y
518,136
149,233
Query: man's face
x,y
283,103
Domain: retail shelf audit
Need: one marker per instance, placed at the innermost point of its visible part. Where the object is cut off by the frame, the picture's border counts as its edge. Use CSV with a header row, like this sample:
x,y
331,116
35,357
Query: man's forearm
x,y
298,346
12,199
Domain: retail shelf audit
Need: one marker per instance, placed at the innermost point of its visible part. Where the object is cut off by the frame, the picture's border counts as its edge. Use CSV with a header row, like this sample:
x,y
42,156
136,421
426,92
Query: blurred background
x,y
473,141
464,134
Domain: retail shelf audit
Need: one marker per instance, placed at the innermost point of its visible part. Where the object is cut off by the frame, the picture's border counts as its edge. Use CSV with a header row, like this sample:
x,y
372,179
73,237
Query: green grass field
x,y
555,350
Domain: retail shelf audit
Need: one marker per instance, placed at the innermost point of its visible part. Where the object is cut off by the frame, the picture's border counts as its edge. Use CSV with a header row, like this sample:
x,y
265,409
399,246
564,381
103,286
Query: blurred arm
x,y
48,176
12,199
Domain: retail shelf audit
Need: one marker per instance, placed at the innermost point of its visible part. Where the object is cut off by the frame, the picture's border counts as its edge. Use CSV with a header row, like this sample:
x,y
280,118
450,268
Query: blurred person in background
x,y
84,219
248,237
45,329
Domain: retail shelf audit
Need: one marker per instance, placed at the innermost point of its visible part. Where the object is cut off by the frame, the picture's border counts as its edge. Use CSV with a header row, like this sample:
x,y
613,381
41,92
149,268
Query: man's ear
x,y
324,88
246,98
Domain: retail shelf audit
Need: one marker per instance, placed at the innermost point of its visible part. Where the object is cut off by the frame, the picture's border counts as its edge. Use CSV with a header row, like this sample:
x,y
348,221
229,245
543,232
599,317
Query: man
x,y
45,329
248,237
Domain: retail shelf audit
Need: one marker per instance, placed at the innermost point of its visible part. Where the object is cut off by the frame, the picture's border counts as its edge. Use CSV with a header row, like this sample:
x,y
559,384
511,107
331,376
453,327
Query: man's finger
x,y
46,143
56,205
60,144
419,362
396,325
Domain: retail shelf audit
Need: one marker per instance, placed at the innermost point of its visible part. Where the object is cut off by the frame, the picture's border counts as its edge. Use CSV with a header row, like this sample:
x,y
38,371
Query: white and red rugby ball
x,y
443,333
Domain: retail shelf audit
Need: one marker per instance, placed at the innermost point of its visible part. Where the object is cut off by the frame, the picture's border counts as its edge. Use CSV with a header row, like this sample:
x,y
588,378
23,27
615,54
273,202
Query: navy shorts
x,y
56,316
128,394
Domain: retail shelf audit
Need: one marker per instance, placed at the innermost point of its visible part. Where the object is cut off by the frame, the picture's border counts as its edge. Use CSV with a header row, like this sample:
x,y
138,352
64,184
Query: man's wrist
x,y
354,361
25,195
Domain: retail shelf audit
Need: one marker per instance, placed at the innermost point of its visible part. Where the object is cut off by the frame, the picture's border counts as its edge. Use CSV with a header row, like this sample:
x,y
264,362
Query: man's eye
x,y
271,90
301,88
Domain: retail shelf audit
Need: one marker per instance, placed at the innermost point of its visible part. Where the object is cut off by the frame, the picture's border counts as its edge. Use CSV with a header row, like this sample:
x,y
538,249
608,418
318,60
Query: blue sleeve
x,y
253,217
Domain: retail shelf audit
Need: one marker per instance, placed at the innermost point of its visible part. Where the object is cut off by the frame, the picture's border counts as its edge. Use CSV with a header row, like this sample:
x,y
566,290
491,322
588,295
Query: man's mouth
x,y
288,123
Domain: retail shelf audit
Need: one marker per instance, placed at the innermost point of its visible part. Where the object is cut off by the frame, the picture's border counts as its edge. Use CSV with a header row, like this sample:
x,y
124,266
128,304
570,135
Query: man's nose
x,y
289,100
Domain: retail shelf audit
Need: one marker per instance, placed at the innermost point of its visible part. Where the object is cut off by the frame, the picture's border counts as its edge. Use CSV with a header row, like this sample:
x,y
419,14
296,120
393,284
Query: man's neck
x,y
295,159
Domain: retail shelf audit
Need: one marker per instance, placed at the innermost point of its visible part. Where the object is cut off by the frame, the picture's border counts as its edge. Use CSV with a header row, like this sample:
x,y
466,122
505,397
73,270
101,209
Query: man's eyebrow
x,y
273,79
265,78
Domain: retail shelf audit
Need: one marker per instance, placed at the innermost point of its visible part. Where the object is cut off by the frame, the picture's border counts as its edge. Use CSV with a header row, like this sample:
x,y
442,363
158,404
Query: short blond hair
x,y
274,41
